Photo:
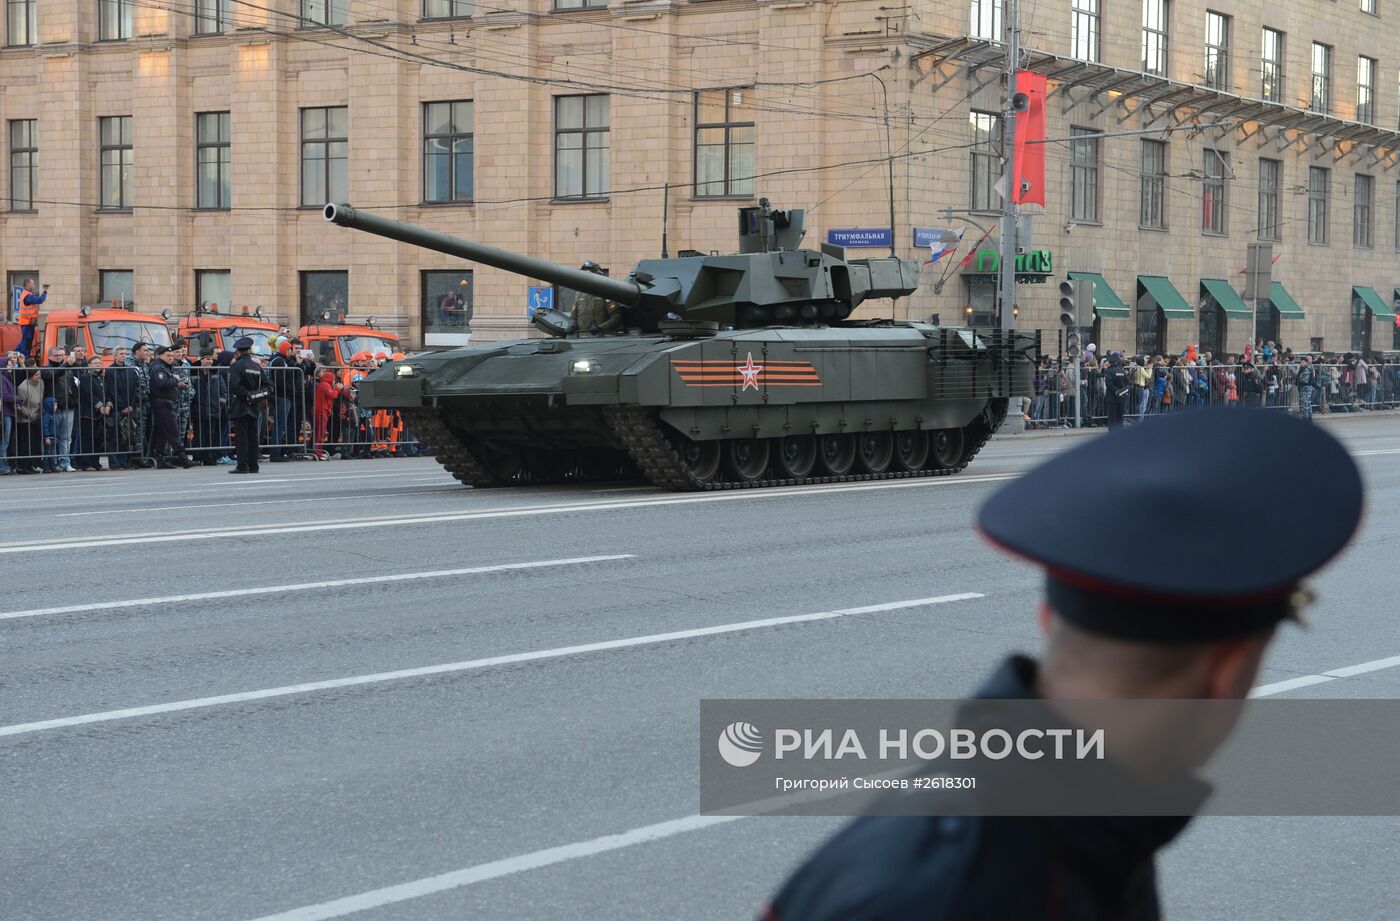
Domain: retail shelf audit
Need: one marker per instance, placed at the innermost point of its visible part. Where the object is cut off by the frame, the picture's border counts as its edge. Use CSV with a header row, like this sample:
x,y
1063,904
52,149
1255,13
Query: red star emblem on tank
x,y
749,372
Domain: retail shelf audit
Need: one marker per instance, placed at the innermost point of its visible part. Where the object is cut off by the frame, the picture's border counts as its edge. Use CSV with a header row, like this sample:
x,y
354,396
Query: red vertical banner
x,y
1030,127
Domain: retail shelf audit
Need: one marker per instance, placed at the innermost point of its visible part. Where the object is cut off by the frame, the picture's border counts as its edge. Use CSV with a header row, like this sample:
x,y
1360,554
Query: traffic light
x,y
1076,302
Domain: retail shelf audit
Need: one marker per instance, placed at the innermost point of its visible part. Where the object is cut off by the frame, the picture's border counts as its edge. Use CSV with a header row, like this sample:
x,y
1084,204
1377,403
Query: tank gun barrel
x,y
627,293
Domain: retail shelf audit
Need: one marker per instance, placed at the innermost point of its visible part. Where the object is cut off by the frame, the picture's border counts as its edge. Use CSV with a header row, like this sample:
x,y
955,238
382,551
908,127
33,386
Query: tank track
x,y
450,451
639,431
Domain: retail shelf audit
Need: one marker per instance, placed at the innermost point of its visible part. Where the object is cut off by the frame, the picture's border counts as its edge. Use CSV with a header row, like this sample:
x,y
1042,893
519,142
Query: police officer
x,y
1117,387
248,393
593,314
1119,625
166,386
140,362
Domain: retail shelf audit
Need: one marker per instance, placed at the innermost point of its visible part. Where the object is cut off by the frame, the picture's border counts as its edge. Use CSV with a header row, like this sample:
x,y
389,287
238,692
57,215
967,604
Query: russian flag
x,y
939,254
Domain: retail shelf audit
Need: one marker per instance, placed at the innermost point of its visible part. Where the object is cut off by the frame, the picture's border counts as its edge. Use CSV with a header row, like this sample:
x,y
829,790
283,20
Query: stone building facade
x,y
175,152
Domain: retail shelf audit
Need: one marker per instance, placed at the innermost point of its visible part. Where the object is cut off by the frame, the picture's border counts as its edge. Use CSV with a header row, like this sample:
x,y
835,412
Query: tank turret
x,y
769,281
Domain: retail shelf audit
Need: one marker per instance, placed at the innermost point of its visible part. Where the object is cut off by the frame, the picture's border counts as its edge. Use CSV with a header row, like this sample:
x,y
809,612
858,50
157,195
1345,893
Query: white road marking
x,y
94,481
482,872
1373,453
112,540
1302,681
446,668
646,834
425,489
312,586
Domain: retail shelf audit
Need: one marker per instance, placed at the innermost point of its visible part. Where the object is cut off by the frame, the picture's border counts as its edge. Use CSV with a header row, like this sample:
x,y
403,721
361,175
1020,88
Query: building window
x,y
1153,210
212,155
986,161
1397,216
1363,212
213,289
1320,99
1366,89
322,13
117,287
578,4
113,20
447,307
581,146
1154,37
1271,67
325,155
448,151
724,143
1217,68
116,177
211,17
24,163
448,9
325,297
21,22
1368,6
1319,188
1213,211
986,19
1270,199
1084,175
1084,29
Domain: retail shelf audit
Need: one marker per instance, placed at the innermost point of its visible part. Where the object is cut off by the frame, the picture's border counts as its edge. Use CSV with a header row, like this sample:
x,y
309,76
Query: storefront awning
x,y
1107,303
1226,297
1284,303
1373,302
1167,297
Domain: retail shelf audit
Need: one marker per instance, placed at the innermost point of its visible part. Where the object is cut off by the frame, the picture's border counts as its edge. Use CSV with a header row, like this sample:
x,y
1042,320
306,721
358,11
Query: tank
x,y
729,371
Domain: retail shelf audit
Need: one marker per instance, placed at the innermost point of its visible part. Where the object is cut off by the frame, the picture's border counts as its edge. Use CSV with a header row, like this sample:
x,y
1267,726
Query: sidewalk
x,y
1005,433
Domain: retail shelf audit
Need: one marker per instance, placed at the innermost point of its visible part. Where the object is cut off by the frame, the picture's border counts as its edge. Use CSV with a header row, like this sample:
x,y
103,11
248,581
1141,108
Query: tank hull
x,y
911,399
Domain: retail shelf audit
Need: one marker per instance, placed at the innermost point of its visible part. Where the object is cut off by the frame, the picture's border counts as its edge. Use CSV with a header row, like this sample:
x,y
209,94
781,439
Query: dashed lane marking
x,y
333,583
471,665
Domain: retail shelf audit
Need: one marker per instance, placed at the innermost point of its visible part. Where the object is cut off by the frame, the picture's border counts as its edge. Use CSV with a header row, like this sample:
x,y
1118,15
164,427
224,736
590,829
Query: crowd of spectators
x,y
1263,375
69,412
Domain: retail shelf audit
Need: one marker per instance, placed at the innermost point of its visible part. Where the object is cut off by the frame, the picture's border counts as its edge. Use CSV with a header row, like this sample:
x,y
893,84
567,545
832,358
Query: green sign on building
x,y
1034,266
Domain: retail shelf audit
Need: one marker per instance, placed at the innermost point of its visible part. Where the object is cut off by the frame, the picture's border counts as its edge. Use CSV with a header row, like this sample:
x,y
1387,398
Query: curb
x,y
1034,434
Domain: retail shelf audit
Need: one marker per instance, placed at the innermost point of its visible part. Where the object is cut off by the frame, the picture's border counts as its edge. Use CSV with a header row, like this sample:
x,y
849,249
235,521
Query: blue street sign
x,y
539,299
934,237
857,236
16,301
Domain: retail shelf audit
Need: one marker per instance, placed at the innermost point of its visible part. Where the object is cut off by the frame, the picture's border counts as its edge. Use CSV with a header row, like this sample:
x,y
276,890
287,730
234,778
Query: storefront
x,y
1368,307
980,282
1158,304
1219,305
1107,306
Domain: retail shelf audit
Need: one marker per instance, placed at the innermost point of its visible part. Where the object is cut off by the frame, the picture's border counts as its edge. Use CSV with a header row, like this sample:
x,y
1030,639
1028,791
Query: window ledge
x,y
1215,233
721,198
22,211
1154,229
224,209
110,41
1311,243
599,200
432,19
462,203
1079,222
114,210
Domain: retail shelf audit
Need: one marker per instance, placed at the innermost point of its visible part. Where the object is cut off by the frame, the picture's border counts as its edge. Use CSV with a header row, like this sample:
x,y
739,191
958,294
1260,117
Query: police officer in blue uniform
x,y
1119,624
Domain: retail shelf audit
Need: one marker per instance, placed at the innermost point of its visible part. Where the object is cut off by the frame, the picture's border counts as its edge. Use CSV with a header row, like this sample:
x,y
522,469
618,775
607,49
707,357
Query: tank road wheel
x,y
794,456
506,466
947,448
876,450
911,450
701,458
746,459
836,453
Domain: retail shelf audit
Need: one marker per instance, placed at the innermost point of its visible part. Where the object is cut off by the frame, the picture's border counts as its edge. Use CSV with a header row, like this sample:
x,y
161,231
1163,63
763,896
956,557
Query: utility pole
x,y
1006,278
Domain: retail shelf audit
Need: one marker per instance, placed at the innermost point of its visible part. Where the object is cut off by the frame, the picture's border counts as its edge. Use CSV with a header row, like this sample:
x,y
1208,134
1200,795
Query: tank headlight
x,y
582,366
405,370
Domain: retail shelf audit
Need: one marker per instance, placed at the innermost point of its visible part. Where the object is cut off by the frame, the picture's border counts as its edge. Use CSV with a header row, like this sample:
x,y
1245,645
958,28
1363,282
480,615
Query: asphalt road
x,y
216,698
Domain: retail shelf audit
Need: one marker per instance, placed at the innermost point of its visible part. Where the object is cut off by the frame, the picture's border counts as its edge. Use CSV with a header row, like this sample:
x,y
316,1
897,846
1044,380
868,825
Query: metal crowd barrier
x,y
1337,388
112,421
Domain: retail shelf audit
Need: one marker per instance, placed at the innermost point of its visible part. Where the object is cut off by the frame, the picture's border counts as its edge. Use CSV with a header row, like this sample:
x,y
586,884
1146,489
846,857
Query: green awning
x,y
1167,297
1284,303
1226,297
1373,302
1107,303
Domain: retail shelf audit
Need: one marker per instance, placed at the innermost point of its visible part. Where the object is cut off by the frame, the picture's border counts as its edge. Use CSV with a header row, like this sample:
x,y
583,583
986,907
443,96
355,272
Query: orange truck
x,y
337,344
217,332
100,330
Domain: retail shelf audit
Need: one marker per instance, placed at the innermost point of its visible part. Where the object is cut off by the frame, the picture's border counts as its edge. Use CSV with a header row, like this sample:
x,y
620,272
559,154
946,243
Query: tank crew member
x,y
166,387
248,395
593,314
1118,625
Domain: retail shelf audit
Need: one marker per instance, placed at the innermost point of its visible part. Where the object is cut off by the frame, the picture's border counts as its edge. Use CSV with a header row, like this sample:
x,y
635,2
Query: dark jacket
x,y
121,386
211,395
91,393
245,381
946,868
7,397
61,383
286,378
165,384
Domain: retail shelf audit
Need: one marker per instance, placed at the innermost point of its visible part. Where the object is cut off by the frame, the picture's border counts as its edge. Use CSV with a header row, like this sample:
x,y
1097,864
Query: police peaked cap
x,y
1182,528
243,343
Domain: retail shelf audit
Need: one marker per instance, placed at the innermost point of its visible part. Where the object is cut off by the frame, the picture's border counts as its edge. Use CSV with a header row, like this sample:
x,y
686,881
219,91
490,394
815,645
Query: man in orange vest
x,y
29,315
